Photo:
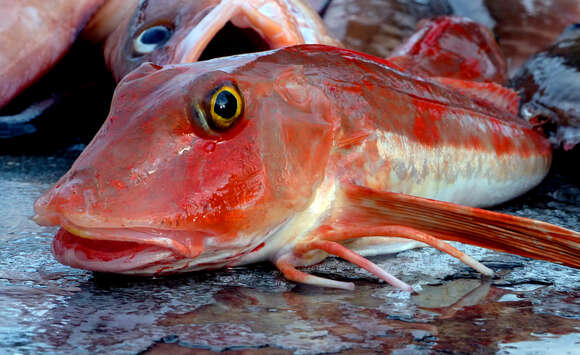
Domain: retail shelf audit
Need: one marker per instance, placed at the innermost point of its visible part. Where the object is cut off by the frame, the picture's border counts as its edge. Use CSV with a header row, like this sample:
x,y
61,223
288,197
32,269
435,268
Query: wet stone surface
x,y
529,307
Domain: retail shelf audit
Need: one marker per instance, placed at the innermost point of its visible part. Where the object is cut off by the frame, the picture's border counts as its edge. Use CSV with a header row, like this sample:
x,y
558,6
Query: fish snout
x,y
71,195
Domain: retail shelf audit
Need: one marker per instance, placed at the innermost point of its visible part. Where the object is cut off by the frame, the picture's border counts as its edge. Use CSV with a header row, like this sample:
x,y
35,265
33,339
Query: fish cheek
x,y
299,135
224,188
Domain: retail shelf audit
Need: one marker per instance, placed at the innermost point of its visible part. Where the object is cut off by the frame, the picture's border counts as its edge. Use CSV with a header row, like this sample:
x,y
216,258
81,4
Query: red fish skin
x,y
315,116
452,47
34,35
107,19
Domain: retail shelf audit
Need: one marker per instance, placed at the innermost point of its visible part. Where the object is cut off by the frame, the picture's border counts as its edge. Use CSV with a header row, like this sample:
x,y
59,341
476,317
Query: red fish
x,y
288,155
523,27
453,47
34,35
181,31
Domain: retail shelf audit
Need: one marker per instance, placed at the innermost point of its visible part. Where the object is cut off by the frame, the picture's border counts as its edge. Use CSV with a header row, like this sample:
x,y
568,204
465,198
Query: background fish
x,y
522,26
286,155
549,84
452,47
180,31
34,35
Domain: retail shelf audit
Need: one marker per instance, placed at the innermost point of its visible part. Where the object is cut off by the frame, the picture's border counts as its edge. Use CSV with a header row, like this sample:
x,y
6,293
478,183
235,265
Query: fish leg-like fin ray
x,y
354,231
367,211
293,274
337,249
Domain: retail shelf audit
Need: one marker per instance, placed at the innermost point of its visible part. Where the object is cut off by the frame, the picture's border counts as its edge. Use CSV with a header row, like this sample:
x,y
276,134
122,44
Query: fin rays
x,y
363,212
328,242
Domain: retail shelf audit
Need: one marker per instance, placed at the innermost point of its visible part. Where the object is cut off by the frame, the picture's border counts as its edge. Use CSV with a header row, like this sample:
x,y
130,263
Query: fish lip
x,y
186,244
240,14
130,258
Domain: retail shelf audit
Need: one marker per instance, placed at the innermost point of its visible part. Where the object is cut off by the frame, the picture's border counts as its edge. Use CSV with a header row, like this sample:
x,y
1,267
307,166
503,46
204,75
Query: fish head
x,y
194,167
180,31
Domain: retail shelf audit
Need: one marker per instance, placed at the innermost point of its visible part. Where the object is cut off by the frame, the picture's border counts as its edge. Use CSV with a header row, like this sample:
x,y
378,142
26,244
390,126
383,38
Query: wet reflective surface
x,y
530,307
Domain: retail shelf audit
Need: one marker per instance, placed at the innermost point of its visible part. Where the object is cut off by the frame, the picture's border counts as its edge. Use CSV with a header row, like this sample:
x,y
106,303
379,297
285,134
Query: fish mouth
x,y
232,40
110,255
236,27
137,250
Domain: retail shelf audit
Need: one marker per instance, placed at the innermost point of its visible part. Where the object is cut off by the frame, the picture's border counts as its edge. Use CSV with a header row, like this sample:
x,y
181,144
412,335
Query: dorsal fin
x,y
499,96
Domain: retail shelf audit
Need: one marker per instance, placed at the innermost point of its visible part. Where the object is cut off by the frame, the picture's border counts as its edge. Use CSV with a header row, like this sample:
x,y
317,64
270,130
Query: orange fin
x,y
366,212
499,96
336,249
286,266
326,239
347,232
291,273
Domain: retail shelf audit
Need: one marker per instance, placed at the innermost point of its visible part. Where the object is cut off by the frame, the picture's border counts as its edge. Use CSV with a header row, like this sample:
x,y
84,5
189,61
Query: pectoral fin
x,y
363,212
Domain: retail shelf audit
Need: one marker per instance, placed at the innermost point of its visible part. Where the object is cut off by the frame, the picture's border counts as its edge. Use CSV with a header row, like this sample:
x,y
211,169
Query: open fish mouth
x,y
232,40
188,31
236,27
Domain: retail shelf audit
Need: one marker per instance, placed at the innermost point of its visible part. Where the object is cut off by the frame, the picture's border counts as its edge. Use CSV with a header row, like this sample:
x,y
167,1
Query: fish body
x,y
327,145
34,35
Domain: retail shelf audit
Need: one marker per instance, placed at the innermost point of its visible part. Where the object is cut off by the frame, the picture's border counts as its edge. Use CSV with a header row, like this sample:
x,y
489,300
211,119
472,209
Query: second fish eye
x,y
152,38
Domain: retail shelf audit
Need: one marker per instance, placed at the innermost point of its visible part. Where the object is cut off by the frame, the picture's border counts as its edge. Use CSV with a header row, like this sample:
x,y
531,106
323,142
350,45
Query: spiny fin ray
x,y
347,254
293,274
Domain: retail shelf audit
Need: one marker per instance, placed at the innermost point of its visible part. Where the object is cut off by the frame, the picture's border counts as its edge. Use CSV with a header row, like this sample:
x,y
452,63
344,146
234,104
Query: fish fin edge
x,y
364,212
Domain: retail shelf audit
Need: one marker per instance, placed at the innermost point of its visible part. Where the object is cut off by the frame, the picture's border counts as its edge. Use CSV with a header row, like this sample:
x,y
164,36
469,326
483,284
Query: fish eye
x,y
152,38
225,106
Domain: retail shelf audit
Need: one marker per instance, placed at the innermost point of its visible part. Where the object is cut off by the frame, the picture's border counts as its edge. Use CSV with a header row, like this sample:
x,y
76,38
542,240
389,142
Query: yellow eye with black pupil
x,y
226,106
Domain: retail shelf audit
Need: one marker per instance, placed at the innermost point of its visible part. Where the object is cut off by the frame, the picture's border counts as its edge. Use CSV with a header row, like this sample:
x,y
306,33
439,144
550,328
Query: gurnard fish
x,y
182,31
291,155
549,85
